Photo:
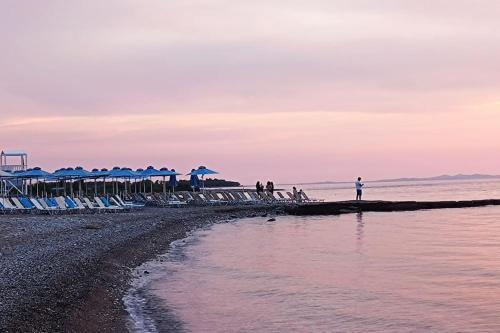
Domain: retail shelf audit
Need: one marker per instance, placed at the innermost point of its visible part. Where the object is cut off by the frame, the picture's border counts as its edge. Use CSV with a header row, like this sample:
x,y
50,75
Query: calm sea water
x,y
423,271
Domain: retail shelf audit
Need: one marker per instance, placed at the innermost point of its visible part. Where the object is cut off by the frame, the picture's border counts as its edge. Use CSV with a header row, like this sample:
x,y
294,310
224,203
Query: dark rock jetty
x,y
345,207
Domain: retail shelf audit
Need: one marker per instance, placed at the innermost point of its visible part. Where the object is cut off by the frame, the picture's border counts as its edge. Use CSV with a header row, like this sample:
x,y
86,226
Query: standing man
x,y
359,189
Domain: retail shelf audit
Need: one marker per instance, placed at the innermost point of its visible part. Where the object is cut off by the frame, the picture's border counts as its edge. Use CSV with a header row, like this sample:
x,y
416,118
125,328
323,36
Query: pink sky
x,y
282,90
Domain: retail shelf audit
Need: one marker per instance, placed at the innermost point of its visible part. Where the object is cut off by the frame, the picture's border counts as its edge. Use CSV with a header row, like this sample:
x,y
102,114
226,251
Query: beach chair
x,y
6,206
128,203
243,197
52,202
219,195
114,202
39,206
93,206
176,198
70,202
49,208
20,207
185,196
282,198
105,204
61,203
256,199
10,207
292,197
79,204
194,198
210,199
306,198
2,208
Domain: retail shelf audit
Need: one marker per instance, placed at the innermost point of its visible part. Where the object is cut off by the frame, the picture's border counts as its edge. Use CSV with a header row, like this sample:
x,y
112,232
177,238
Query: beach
x,y
70,272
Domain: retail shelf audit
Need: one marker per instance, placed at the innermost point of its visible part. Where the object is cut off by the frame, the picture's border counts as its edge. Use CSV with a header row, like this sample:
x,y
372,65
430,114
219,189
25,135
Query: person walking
x,y
359,189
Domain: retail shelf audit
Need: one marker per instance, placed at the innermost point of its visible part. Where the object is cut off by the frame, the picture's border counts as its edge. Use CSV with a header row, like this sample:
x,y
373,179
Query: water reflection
x,y
431,271
359,231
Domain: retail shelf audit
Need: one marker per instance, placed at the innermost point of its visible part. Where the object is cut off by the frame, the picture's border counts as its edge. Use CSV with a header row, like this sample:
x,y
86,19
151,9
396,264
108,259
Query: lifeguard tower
x,y
13,160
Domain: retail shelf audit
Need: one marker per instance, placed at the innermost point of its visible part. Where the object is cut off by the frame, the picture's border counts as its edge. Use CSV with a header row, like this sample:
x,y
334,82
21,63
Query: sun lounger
x,y
93,206
20,207
39,206
282,198
9,206
6,206
49,208
306,198
210,199
70,202
63,204
52,202
80,204
104,203
123,203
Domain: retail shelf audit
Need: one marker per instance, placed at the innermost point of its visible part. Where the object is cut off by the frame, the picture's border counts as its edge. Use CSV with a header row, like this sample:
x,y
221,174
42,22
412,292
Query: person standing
x,y
359,189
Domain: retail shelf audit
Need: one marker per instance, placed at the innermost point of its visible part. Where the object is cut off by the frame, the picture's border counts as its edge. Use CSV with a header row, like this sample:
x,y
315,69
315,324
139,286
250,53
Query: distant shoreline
x,y
408,179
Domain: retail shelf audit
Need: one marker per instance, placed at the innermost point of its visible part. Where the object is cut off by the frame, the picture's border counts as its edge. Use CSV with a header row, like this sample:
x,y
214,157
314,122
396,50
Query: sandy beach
x,y
70,272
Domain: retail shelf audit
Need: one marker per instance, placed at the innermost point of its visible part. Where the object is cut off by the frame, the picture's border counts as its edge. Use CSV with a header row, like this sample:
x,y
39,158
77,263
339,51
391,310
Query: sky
x,y
289,91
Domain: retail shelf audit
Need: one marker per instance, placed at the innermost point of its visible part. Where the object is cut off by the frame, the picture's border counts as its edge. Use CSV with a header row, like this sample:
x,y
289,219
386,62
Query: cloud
x,y
76,58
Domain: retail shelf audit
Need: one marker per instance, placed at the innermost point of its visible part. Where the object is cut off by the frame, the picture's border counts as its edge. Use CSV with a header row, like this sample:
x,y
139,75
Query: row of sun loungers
x,y
116,203
65,204
220,197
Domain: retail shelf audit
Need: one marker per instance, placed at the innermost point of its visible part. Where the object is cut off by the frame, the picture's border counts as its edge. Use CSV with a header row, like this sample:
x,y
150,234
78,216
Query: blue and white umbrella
x,y
201,171
173,180
150,172
165,172
96,174
35,173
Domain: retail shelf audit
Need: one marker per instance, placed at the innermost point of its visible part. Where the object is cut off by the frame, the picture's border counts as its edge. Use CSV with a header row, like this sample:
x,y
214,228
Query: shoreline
x,y
71,272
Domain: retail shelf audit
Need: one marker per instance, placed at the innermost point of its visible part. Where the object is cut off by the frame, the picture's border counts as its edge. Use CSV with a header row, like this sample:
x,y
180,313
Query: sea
x,y
420,271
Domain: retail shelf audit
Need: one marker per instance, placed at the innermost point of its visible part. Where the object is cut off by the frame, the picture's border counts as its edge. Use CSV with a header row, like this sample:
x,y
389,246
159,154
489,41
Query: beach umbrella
x,y
201,171
70,174
96,174
35,173
173,180
81,176
4,174
124,173
164,172
150,172
140,176
194,181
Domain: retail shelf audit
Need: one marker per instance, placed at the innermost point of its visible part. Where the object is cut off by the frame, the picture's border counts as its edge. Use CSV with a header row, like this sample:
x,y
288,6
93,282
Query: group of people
x,y
298,194
260,187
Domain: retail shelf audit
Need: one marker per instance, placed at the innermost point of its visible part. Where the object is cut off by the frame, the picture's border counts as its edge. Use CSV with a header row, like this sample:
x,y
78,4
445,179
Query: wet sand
x,y
69,273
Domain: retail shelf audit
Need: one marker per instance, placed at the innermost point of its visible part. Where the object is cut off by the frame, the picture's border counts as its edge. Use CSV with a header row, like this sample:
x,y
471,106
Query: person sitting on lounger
x,y
300,195
359,189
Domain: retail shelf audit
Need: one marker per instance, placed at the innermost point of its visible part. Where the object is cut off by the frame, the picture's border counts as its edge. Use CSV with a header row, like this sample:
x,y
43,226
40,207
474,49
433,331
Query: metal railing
x,y
12,168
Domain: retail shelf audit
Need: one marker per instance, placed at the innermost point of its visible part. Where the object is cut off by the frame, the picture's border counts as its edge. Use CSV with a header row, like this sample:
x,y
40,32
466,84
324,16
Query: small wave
x,y
138,301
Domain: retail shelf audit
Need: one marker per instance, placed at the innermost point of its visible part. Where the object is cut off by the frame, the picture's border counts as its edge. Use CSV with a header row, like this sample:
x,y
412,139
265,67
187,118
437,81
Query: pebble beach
x,y
69,273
